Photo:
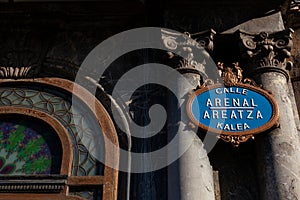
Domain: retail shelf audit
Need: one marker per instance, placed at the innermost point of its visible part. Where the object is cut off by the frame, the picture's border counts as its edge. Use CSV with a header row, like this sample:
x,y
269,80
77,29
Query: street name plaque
x,y
236,112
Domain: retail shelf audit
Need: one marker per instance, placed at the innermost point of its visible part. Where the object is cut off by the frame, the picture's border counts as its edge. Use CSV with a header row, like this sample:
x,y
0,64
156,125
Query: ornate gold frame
x,y
235,137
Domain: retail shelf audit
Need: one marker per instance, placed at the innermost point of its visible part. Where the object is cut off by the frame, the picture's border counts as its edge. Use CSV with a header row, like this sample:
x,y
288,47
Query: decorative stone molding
x,y
36,183
16,72
22,54
266,52
193,47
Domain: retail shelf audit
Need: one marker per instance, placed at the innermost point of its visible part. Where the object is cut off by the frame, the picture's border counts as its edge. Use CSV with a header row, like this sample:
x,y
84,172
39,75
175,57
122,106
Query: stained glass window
x,y
28,146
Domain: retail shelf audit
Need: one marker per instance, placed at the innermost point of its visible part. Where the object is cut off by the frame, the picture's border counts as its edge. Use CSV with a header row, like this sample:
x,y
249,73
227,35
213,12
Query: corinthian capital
x,y
265,50
188,51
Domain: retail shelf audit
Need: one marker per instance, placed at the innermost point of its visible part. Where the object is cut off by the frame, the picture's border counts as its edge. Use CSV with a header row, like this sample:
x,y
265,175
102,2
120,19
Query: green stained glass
x,y
28,146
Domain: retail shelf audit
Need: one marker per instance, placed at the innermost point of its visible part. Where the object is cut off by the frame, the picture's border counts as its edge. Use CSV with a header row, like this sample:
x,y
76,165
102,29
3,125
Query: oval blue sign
x,y
235,110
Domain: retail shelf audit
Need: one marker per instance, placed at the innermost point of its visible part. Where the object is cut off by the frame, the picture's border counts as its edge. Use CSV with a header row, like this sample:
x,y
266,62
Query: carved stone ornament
x,y
266,51
32,183
236,110
18,65
189,51
15,72
22,59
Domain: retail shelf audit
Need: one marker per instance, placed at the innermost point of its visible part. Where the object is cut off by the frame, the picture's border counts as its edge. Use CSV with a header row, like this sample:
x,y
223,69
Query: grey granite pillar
x,y
191,176
278,151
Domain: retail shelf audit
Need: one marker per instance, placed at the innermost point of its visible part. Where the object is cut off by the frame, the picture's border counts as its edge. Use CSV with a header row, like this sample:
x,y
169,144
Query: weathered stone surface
x,y
278,152
191,176
269,24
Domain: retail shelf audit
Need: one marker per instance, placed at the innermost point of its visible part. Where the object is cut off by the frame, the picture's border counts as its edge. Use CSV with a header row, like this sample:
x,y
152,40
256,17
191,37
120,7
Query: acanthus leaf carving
x,y
266,50
15,72
184,46
19,64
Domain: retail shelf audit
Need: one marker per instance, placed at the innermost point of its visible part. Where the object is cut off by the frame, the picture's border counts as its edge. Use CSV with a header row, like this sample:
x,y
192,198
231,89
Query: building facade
x,y
66,131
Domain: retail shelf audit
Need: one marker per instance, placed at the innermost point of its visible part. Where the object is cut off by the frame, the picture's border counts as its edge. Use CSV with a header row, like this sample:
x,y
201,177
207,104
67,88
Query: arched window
x,y
52,147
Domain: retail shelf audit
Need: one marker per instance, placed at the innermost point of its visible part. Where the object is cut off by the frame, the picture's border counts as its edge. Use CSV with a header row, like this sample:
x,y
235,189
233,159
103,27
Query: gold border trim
x,y
270,124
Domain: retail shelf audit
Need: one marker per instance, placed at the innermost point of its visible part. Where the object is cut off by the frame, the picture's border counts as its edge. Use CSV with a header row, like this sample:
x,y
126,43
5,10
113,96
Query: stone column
x,y
191,176
278,151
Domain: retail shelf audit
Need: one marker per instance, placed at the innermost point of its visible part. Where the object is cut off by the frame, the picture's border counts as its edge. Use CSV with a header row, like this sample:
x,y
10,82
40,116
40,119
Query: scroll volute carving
x,y
266,50
188,51
205,39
